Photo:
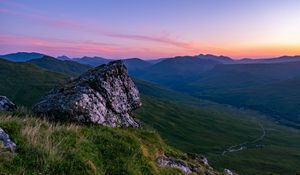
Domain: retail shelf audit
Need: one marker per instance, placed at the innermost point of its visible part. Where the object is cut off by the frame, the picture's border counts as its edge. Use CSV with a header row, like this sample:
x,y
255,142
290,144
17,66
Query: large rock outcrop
x,y
6,105
104,95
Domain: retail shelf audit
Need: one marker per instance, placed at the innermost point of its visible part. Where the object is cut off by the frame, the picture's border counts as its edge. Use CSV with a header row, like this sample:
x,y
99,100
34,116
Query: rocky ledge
x,y
7,142
104,95
6,105
197,164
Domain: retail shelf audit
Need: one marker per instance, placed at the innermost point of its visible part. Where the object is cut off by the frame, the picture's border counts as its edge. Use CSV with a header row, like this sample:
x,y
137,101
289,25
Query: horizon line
x,y
156,58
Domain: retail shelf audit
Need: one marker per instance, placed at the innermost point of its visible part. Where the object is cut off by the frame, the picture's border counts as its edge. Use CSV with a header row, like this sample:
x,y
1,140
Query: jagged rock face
x,y
6,140
6,105
104,95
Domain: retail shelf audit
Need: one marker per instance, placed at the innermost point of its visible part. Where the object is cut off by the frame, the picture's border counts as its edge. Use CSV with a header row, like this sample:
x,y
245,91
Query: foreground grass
x,y
53,148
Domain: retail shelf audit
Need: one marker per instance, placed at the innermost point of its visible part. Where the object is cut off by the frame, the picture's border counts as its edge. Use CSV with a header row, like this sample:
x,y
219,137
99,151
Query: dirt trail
x,y
245,145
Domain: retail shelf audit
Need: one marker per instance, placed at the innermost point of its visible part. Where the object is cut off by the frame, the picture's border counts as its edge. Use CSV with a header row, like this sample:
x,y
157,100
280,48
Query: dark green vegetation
x,y
51,148
25,83
188,123
66,67
209,128
270,88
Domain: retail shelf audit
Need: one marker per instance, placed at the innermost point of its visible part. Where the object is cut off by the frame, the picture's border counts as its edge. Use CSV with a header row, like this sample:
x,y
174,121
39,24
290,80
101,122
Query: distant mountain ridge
x,y
25,56
209,127
22,56
92,61
271,60
68,67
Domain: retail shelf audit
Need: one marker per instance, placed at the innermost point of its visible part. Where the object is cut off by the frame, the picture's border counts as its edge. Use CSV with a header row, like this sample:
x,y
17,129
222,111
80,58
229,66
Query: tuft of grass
x,y
63,148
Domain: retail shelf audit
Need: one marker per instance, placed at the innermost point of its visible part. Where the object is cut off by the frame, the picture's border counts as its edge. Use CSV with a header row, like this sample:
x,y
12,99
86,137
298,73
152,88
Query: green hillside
x,y
185,122
209,128
25,83
271,88
176,71
54,148
51,148
66,67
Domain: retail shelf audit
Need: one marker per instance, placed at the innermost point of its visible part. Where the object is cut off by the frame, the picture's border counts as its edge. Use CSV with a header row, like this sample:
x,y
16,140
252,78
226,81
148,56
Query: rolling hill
x,y
25,83
22,56
195,125
183,121
176,71
281,59
92,61
66,67
258,86
270,88
136,65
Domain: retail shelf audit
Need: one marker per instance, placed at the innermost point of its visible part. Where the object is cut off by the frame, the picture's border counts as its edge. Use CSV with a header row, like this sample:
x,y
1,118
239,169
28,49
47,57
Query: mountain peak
x,y
221,58
64,57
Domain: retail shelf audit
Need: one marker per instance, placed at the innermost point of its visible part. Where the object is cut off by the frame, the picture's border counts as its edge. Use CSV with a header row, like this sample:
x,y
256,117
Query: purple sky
x,y
151,28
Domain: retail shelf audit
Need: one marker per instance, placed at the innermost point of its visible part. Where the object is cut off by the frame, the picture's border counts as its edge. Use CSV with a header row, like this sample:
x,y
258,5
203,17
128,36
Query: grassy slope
x,y
269,88
209,128
66,67
241,85
200,127
48,148
25,83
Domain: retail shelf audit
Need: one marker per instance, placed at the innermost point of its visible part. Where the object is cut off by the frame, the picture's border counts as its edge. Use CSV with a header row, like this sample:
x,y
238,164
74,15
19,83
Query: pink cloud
x,y
93,28
92,47
57,47
163,39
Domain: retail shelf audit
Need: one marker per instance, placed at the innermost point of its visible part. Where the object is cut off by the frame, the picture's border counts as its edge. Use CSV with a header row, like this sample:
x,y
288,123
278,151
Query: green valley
x,y
187,123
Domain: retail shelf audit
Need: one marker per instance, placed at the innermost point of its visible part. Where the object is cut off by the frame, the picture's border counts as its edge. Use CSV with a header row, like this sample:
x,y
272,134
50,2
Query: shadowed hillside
x,y
25,83
66,67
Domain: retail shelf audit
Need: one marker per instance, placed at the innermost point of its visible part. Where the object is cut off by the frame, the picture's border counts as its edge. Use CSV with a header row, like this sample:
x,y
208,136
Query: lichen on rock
x,y
104,95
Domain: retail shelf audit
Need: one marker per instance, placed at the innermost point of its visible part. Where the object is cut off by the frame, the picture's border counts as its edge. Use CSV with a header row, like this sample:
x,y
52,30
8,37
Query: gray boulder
x,y
8,144
6,105
104,95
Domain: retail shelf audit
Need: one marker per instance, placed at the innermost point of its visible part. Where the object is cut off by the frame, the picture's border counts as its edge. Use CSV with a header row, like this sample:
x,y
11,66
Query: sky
x,y
151,28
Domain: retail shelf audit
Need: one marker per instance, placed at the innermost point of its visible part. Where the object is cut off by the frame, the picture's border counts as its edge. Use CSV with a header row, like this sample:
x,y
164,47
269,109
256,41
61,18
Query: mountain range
x,y
184,120
266,85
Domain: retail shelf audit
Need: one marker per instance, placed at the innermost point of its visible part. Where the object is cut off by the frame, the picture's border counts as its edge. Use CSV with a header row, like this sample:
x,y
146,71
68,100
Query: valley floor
x,y
211,128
